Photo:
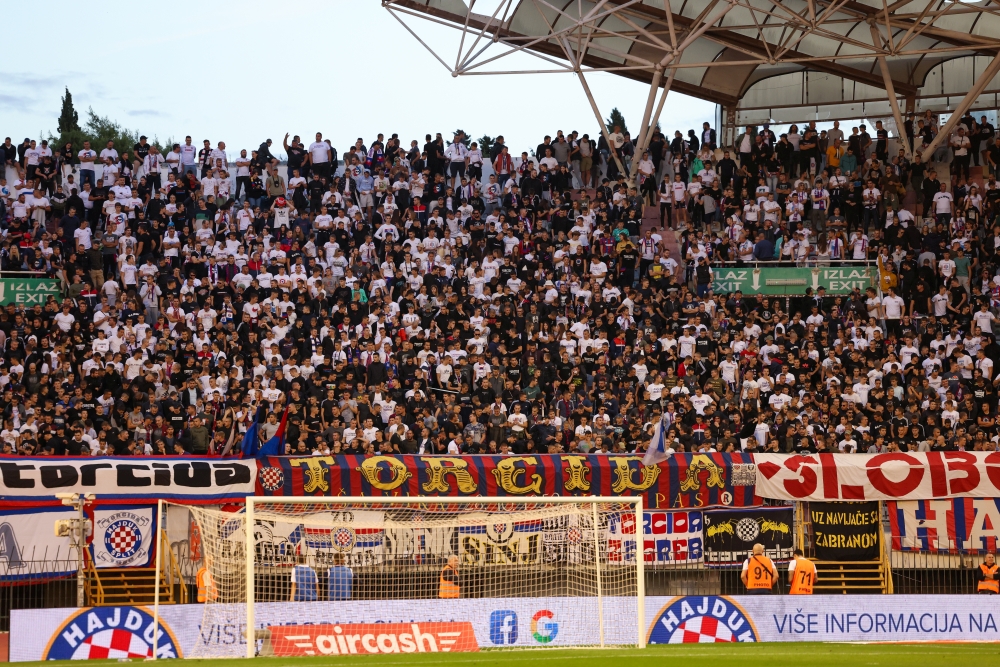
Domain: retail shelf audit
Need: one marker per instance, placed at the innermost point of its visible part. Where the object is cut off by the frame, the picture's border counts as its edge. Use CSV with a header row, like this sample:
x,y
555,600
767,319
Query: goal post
x,y
346,575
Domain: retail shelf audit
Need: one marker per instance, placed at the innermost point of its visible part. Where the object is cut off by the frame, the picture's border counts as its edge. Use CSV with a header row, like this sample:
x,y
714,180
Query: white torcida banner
x,y
893,476
127,632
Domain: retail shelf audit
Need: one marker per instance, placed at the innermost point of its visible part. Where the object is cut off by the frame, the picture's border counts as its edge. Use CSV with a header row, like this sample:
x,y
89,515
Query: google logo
x,y
544,631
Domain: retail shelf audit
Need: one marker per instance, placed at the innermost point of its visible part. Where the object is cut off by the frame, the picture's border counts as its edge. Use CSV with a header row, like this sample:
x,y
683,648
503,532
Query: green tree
x,y
69,119
466,139
616,119
101,130
485,144
98,130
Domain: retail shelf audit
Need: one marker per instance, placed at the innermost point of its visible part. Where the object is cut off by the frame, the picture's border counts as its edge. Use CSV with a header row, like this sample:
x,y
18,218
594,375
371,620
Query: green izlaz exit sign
x,y
28,291
779,281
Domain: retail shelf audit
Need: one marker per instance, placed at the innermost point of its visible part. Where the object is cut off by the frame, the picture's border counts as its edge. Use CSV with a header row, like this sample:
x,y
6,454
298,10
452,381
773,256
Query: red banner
x,y
895,476
682,481
372,638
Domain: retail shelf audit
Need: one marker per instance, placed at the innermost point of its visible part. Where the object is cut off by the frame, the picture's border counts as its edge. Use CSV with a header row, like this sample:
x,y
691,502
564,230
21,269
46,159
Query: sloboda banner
x,y
845,531
731,534
127,478
127,632
958,524
895,476
683,480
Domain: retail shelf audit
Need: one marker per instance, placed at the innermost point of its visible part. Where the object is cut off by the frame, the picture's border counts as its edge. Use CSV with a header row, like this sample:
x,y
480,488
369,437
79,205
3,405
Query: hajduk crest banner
x,y
124,536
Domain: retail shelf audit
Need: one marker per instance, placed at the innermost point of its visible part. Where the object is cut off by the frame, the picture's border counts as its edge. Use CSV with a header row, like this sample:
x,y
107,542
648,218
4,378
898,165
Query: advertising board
x,y
123,632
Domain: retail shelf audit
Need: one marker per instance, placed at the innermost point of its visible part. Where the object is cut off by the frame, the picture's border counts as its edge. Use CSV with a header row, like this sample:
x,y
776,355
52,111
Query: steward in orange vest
x,y
448,587
988,576
801,575
759,573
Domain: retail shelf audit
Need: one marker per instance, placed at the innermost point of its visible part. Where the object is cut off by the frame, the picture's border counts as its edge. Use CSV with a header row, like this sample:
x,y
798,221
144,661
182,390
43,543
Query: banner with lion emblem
x,y
682,481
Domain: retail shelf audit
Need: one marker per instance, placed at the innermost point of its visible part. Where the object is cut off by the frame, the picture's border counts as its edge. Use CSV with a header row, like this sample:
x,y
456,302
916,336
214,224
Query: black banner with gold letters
x,y
845,531
683,480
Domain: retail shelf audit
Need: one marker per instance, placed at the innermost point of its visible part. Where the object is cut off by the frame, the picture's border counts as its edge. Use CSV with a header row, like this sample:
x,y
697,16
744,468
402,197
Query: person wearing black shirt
x,y
205,158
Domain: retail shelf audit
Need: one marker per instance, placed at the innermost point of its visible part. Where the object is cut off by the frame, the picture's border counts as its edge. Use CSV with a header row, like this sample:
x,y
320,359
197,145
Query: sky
x,y
244,71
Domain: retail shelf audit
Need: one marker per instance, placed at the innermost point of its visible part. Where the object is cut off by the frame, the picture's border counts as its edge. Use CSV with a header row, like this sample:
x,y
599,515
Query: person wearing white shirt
x,y
320,155
943,202
984,319
458,159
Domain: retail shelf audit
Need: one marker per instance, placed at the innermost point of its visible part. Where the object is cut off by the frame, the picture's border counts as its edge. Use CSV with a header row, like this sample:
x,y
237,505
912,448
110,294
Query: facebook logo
x,y
503,627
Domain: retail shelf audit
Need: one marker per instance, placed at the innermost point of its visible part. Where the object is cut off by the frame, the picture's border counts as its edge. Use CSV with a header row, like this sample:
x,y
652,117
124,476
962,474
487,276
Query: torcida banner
x,y
126,479
893,476
682,481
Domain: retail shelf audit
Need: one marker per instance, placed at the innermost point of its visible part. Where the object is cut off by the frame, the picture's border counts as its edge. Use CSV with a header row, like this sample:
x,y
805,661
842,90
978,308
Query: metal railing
x,y
36,587
943,569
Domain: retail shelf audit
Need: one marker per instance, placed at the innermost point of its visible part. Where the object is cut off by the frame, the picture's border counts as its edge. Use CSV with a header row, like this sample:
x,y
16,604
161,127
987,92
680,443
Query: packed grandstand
x,y
446,297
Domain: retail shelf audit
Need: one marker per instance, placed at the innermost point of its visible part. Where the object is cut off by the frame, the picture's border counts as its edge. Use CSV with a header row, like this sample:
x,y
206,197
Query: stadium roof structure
x,y
789,60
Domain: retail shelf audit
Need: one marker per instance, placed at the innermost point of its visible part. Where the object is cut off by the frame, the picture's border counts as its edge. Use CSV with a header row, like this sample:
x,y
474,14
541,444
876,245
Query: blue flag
x,y
276,445
657,450
251,442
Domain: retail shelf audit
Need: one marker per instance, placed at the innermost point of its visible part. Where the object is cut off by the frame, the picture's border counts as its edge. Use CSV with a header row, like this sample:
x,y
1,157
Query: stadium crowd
x,y
448,297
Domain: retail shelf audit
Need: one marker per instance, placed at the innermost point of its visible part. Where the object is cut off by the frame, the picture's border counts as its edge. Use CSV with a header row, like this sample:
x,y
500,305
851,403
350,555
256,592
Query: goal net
x,y
338,576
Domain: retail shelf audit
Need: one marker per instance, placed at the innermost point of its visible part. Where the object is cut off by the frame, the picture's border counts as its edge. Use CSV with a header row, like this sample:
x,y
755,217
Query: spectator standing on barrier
x,y
759,573
988,576
304,583
340,580
801,574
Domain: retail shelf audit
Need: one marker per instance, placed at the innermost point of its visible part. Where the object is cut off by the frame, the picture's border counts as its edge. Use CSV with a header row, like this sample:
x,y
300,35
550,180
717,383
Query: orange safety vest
x,y
989,585
803,577
760,573
206,586
448,589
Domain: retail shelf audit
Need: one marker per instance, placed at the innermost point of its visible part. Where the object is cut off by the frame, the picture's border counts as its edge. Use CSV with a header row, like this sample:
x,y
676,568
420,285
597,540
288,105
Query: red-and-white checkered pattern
x,y
271,478
111,644
702,630
123,540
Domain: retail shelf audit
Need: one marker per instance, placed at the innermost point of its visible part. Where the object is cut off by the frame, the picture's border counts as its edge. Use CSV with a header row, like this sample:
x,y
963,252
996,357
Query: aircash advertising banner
x,y
127,479
895,476
414,626
683,480
955,525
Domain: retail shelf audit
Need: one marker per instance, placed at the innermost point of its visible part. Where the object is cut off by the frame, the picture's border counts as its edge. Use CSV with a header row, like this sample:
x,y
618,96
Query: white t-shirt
x,y
319,151
893,306
942,202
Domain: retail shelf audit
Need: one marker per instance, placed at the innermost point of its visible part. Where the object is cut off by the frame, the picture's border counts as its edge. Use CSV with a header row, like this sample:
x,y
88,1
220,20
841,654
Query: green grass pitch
x,y
684,655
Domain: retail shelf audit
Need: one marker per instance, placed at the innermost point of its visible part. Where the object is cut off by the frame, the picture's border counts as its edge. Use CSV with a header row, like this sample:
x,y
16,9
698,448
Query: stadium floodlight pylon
x,y
509,551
